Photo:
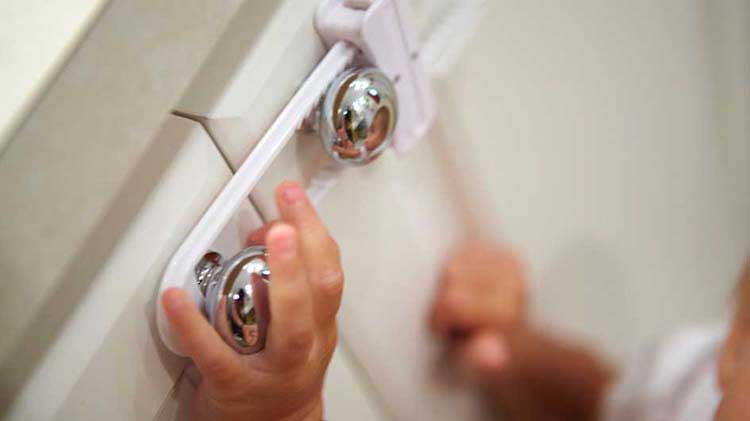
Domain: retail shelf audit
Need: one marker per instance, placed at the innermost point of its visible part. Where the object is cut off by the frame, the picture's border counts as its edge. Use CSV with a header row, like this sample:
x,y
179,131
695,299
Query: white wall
x,y
609,142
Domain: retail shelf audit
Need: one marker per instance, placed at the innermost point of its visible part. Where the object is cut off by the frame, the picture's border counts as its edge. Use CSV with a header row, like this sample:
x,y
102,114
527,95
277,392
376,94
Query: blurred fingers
x,y
481,287
459,309
258,237
484,353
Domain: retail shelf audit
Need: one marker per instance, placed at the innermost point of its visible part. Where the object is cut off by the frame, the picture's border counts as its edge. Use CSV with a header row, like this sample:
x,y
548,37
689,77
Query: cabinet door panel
x,y
613,200
82,163
266,52
80,169
105,356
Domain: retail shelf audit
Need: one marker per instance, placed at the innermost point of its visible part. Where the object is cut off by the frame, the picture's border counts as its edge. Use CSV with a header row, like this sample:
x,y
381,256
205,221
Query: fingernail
x,y
291,193
283,241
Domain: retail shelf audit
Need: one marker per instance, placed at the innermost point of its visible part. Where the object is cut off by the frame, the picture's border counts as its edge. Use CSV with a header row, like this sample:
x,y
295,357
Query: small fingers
x,y
291,332
482,287
457,310
319,250
215,360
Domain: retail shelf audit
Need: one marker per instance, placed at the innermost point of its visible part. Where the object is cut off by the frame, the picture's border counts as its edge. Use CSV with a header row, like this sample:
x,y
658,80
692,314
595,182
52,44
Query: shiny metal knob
x,y
236,292
358,115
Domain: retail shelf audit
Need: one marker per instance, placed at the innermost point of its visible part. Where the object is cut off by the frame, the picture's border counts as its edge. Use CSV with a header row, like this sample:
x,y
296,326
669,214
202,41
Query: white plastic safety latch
x,y
381,31
373,32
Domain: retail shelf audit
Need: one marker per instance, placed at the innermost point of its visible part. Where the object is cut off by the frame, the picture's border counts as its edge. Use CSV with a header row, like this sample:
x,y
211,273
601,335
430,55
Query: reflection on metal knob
x,y
236,292
358,115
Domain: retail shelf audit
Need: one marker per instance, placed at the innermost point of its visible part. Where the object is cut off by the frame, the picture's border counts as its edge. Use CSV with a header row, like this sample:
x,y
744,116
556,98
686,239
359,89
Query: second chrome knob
x,y
358,115
236,296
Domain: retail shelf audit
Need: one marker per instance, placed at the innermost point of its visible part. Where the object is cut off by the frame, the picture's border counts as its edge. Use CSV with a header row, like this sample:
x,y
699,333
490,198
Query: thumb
x,y
215,359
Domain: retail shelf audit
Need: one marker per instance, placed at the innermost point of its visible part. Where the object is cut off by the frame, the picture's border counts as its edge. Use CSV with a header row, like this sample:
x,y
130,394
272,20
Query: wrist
x,y
566,378
206,408
310,412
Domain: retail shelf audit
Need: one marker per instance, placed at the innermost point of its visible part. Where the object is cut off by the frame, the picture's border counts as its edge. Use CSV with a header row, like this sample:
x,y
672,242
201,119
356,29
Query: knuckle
x,y
331,282
217,369
300,340
314,229
328,342
296,300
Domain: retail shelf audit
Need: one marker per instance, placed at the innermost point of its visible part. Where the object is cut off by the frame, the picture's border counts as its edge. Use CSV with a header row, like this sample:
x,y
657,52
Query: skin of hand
x,y
283,381
481,298
479,311
734,362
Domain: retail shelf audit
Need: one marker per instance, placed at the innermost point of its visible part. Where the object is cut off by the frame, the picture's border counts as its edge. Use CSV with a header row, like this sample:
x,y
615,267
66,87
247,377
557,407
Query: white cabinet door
x,y
81,339
99,187
564,130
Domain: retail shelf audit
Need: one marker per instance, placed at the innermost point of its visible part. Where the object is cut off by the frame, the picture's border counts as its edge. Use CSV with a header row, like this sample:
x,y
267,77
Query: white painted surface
x,y
265,54
36,37
346,394
106,359
73,179
594,138
89,142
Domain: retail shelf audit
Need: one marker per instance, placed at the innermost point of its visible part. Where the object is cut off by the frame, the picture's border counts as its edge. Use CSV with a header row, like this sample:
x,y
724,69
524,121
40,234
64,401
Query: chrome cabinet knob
x,y
357,116
236,292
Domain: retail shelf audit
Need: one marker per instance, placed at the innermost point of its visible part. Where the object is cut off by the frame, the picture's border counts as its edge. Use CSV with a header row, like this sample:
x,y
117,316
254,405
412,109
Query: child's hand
x,y
734,361
283,381
480,307
482,297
